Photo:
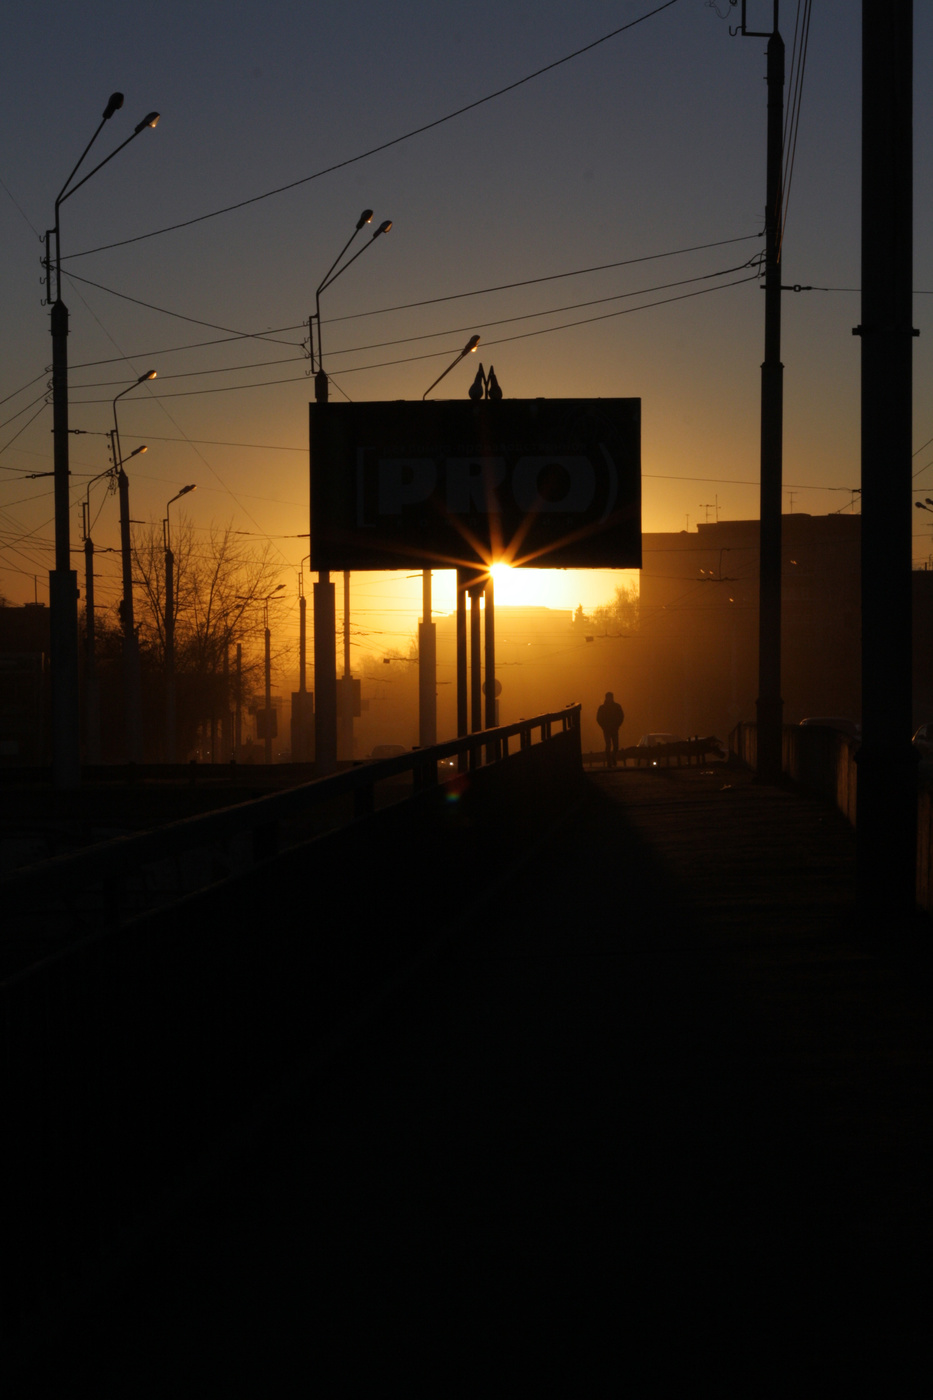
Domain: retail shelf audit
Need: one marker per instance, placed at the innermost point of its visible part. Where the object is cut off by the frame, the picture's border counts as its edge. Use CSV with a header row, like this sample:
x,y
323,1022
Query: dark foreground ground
x,y
653,1119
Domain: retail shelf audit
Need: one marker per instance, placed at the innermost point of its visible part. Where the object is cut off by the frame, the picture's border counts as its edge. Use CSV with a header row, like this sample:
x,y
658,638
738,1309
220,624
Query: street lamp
x,y
320,378
267,710
325,611
300,726
268,669
467,350
91,689
170,628
427,643
132,683
63,588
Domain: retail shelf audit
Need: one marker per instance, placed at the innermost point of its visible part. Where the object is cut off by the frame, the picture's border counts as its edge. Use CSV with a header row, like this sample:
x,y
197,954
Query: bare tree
x,y
618,618
220,582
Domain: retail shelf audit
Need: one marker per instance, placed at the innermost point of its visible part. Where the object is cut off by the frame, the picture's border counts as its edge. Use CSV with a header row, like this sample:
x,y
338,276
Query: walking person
x,y
610,717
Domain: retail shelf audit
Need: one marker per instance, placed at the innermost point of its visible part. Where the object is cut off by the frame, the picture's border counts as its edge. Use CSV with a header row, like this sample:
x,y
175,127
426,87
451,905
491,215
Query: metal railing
x,y
51,902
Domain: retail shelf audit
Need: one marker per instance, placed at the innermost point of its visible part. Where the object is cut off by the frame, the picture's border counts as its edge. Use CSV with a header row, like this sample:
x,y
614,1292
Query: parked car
x,y
654,741
844,726
923,740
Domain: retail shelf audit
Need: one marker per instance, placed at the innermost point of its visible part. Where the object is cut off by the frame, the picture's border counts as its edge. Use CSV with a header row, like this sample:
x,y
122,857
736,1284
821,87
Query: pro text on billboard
x,y
552,483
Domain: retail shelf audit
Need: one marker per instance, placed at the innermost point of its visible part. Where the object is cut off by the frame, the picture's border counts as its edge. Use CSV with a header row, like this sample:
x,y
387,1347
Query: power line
x,y
178,315
385,145
450,330
549,277
269,335
436,354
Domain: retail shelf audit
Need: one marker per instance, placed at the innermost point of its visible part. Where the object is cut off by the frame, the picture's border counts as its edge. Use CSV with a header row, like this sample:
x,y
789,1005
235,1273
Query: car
x,y
655,741
923,740
838,722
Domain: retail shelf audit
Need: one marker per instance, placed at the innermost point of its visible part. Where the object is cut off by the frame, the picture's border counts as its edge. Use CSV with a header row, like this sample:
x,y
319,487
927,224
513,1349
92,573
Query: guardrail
x,y
51,902
822,761
132,1053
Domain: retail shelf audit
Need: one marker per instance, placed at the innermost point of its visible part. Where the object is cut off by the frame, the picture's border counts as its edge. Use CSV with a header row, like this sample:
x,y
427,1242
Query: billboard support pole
x,y
427,668
462,577
490,655
325,674
476,672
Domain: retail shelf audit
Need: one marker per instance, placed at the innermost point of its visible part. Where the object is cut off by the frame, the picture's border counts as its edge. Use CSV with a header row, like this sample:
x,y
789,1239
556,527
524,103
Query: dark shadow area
x,y
645,1118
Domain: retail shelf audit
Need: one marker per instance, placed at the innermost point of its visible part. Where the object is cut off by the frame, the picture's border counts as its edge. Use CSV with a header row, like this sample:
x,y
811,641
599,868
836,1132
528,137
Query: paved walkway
x,y
651,1121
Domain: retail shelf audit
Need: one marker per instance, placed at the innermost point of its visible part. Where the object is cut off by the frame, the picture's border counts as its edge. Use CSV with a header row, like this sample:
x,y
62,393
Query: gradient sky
x,y
651,142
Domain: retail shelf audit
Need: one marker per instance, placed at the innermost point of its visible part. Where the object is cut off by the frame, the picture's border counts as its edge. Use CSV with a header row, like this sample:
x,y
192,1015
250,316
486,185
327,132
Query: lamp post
x,y
300,725
170,629
268,669
466,582
91,688
770,705
132,684
63,588
325,610
266,725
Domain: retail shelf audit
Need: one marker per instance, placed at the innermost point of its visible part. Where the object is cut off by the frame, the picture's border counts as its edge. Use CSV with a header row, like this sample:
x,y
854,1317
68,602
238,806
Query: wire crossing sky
x,y
582,186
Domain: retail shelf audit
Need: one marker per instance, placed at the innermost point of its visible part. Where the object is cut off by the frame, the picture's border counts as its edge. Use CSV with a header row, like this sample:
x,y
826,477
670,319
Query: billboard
x,y
550,483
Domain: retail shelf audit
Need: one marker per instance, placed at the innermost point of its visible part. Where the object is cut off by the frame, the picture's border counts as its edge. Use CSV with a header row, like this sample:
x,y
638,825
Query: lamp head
x,y
365,218
151,120
113,105
471,345
150,374
185,489
383,227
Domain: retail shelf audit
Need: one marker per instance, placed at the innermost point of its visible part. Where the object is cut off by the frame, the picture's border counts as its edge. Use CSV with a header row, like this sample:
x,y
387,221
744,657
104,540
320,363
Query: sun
x,y
527,588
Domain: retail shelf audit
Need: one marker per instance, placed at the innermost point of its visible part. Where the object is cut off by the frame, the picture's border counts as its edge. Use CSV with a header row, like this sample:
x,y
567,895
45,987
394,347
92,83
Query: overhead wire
x,y
451,330
792,118
384,145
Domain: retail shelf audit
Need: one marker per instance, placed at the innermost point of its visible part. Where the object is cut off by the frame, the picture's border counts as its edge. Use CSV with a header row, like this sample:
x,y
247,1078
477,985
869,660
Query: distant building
x,y
699,622
24,688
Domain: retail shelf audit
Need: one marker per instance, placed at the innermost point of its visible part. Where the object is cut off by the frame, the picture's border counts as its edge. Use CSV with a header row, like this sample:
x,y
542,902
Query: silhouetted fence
x,y
822,761
50,903
133,1052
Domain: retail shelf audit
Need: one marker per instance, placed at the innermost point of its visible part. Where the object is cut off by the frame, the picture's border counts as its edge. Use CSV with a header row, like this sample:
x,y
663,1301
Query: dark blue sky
x,y
652,142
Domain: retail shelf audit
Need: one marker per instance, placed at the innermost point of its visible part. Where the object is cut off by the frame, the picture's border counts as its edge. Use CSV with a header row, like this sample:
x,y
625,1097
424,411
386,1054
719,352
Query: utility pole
x,y
346,689
323,596
887,765
770,705
91,687
268,680
427,667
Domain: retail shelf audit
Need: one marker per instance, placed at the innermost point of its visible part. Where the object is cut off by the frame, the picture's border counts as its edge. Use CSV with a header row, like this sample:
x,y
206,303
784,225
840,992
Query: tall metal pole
x,y
489,654
268,679
463,577
346,689
91,687
132,688
476,672
63,580
427,667
225,737
325,674
770,704
887,765
170,735
323,600
238,707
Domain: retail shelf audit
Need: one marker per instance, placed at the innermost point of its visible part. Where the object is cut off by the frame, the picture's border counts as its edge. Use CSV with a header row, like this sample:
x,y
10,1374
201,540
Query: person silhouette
x,y
610,717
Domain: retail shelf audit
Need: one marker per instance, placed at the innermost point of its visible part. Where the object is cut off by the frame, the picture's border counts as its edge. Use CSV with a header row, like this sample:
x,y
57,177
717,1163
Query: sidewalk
x,y
650,1122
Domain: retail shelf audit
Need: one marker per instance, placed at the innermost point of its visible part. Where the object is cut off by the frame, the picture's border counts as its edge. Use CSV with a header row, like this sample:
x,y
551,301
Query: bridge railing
x,y
135,1054
51,902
